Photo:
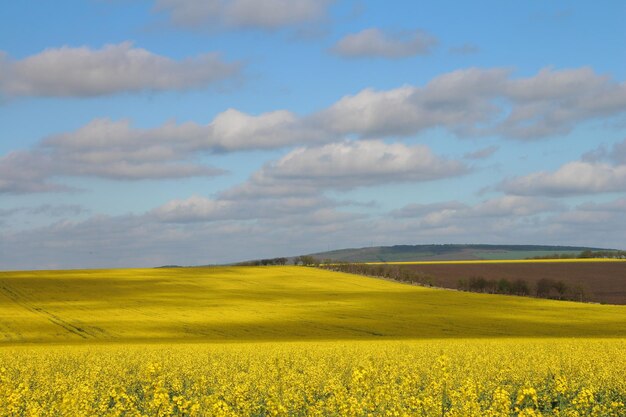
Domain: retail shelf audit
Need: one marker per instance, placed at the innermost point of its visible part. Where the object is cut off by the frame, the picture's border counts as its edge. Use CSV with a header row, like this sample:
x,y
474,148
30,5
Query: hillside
x,y
448,252
271,304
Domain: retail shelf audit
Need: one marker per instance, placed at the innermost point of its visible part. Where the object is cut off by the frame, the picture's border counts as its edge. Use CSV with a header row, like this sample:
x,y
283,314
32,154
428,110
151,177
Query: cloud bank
x,y
121,68
210,235
604,172
471,102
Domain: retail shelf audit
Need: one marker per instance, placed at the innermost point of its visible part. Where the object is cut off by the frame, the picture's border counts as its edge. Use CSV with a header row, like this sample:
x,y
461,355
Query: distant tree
x,y
560,288
544,287
578,293
504,286
520,287
477,284
308,260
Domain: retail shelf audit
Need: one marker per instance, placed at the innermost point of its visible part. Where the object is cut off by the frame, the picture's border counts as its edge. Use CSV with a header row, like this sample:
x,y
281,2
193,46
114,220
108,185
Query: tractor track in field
x,y
22,300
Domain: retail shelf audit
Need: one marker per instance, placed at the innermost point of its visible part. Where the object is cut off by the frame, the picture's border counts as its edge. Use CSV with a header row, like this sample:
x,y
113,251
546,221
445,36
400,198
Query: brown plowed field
x,y
603,282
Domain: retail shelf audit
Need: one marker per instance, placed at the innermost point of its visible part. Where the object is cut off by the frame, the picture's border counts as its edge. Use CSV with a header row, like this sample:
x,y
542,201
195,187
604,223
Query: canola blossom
x,y
460,378
295,341
271,304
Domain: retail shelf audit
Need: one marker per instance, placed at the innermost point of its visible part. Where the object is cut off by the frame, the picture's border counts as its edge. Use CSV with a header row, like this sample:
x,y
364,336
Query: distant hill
x,y
448,252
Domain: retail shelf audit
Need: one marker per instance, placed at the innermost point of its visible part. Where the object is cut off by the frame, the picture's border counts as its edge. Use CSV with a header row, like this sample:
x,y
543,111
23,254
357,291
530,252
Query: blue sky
x,y
140,133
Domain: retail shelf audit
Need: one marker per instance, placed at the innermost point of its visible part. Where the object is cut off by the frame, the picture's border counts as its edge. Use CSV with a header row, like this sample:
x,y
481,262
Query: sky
x,y
138,133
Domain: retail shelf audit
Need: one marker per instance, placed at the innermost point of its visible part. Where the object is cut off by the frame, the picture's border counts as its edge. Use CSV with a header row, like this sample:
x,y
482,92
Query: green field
x,y
271,304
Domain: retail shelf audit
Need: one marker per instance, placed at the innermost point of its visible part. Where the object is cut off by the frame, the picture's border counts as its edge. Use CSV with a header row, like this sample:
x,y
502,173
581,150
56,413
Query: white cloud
x,y
116,150
552,102
599,171
257,14
480,102
515,206
466,102
230,130
375,43
505,206
421,209
86,72
22,172
35,171
202,209
591,222
346,165
295,184
576,177
457,100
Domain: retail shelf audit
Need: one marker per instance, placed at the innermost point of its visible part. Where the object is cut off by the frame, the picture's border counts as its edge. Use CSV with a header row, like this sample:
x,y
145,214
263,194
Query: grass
x,y
278,303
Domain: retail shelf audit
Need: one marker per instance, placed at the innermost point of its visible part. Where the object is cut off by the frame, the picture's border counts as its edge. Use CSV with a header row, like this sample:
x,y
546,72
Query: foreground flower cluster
x,y
464,378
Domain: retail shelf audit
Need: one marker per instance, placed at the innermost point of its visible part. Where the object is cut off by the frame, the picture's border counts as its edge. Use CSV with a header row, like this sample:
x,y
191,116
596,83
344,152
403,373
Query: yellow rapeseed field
x,y
296,341
461,378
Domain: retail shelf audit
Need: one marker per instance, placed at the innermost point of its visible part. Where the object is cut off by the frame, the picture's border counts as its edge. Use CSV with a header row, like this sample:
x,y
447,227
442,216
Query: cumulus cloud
x,y
116,150
22,172
295,184
35,171
18,218
480,102
576,177
202,209
409,110
229,131
616,154
517,219
87,72
504,206
552,102
257,14
376,43
601,171
591,222
347,165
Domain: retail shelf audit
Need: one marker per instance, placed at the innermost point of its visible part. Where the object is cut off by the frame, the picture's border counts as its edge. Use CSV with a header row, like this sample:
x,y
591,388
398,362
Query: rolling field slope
x,y
297,341
271,304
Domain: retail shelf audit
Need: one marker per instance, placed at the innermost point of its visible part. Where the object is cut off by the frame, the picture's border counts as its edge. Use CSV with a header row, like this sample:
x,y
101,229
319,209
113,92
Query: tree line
x,y
264,262
587,254
543,288
393,272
